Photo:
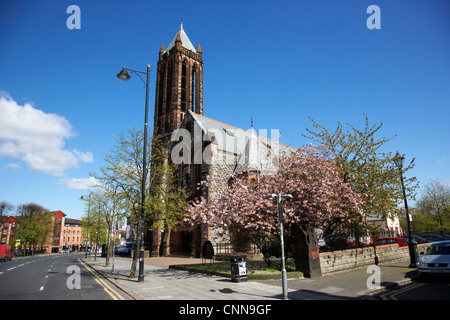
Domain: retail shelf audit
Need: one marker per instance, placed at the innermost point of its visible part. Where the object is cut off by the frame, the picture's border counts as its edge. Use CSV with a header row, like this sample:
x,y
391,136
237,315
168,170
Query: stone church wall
x,y
220,170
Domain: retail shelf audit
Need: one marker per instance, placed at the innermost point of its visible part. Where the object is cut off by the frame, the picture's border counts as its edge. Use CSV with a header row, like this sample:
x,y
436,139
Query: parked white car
x,y
436,259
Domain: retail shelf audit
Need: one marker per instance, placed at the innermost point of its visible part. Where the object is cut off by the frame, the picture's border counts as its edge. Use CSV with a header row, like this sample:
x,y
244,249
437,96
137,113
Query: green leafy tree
x,y
420,222
36,225
167,198
434,208
123,169
371,172
112,205
95,224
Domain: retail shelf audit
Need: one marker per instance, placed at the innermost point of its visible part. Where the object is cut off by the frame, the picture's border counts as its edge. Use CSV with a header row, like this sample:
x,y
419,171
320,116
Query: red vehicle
x,y
5,252
402,242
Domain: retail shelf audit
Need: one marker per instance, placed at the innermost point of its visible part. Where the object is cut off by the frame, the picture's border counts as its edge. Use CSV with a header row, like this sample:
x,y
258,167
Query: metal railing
x,y
229,248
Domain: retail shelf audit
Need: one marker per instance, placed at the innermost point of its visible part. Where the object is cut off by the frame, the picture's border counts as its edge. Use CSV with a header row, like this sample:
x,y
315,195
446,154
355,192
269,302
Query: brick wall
x,y
353,258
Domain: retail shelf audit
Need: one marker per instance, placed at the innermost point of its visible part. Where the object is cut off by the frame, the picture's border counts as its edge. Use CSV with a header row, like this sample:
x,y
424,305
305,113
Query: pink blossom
x,y
319,196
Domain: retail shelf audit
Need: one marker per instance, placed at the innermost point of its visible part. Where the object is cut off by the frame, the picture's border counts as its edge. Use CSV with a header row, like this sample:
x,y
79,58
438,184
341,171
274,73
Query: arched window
x,y
169,87
183,85
194,87
162,84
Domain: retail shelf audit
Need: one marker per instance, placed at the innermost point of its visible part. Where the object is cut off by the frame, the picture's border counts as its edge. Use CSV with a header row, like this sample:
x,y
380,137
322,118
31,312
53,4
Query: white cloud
x,y
13,166
84,156
79,183
37,138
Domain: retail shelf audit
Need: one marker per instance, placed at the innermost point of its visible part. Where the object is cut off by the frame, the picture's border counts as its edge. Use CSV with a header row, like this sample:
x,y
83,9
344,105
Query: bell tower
x,y
179,83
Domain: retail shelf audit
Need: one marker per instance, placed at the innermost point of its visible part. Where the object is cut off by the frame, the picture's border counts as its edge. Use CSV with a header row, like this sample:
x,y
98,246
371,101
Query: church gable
x,y
204,146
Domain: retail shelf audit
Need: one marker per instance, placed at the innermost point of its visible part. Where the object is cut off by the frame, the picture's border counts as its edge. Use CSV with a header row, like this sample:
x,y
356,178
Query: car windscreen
x,y
438,248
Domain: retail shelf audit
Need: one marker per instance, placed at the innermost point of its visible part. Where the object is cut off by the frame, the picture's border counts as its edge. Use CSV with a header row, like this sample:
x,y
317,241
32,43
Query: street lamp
x,y
399,160
124,76
280,203
87,238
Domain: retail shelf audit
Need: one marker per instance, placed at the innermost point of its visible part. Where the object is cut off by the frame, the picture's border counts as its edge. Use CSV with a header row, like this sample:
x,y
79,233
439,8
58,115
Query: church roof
x,y
254,152
185,42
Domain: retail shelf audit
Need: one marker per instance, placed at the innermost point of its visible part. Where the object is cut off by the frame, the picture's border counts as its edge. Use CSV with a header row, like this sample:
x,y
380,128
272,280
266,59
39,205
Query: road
x,y
54,277
430,288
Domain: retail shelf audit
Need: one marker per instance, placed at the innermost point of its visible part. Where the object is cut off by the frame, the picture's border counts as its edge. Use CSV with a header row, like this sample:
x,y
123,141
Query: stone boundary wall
x,y
352,258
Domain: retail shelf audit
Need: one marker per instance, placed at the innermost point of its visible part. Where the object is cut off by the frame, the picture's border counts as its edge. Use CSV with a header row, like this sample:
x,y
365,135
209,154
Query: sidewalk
x,y
162,283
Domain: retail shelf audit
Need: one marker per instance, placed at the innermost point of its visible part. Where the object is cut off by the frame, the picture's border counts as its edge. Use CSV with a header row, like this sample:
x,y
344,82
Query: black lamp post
x,y
87,235
280,203
399,160
124,76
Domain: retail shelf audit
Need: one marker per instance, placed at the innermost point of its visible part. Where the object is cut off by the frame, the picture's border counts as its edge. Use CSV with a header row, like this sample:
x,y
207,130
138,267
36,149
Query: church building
x,y
201,146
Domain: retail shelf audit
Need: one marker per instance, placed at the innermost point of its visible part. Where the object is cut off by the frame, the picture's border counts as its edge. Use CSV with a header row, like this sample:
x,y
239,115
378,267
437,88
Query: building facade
x,y
200,146
66,232
389,226
9,230
72,235
54,243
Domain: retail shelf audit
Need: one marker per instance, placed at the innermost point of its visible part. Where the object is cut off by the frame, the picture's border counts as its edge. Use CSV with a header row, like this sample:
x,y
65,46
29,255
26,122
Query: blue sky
x,y
278,62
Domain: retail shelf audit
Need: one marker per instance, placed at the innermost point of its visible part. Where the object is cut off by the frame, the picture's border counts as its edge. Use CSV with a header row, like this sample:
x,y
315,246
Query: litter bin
x,y
238,268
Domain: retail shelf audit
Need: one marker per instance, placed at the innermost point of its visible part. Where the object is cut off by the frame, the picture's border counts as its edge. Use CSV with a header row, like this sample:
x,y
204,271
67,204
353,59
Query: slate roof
x,y
254,152
185,42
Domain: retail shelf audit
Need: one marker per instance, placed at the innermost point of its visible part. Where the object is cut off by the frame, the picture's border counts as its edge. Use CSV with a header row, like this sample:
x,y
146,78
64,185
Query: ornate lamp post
x,y
399,160
124,76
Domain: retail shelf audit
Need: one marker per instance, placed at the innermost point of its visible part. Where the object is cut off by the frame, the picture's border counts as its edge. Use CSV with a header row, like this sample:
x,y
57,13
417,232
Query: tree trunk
x,y
108,247
136,250
306,251
165,243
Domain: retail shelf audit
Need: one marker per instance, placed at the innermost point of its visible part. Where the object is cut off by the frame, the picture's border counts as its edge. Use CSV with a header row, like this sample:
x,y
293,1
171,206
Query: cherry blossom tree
x,y
320,197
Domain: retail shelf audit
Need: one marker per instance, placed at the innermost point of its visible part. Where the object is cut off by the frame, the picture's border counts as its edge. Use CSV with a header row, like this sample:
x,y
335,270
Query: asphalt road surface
x,y
54,277
433,287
